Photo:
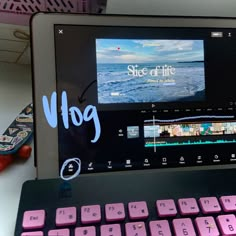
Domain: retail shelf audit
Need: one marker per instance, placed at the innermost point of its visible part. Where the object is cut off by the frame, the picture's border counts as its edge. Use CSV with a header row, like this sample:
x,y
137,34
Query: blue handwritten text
x,y
77,117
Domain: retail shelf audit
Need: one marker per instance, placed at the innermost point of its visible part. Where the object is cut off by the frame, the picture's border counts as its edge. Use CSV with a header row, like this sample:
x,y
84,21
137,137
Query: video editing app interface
x,y
165,97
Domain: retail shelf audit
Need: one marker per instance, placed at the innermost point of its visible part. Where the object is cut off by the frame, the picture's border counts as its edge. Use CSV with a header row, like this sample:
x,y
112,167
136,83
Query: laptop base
x,y
124,187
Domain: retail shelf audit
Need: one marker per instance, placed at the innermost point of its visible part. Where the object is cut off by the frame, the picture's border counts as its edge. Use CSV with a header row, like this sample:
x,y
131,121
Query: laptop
x,y
134,127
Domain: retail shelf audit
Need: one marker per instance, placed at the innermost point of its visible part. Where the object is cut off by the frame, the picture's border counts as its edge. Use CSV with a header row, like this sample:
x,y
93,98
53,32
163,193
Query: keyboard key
x,y
85,231
135,229
188,206
209,205
114,212
138,210
206,226
59,232
66,216
159,228
166,208
227,224
38,233
183,227
228,203
111,230
34,219
90,214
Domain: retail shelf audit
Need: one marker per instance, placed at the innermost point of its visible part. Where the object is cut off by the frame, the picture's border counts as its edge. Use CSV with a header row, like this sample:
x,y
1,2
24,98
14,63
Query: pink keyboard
x,y
206,216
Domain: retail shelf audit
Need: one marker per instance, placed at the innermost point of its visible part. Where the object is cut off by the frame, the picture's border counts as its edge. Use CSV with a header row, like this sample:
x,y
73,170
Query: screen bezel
x,y
44,73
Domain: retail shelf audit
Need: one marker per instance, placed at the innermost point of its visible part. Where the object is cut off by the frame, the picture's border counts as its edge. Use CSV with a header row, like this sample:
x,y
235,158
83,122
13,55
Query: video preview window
x,y
147,71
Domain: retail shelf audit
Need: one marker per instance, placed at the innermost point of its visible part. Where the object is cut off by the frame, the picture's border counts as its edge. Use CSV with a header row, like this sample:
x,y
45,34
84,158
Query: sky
x,y
148,51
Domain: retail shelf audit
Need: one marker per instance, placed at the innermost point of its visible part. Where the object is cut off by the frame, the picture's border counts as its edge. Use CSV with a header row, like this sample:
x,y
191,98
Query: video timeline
x,y
161,135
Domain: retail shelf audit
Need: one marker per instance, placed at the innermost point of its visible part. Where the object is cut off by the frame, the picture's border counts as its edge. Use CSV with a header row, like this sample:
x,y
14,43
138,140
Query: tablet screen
x,y
145,97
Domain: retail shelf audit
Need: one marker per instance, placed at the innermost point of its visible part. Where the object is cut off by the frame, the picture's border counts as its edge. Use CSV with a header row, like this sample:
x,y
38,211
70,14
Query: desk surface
x,y
15,94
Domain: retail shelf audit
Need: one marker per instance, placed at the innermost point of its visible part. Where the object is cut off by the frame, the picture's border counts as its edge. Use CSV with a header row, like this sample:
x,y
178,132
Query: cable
x,y
22,35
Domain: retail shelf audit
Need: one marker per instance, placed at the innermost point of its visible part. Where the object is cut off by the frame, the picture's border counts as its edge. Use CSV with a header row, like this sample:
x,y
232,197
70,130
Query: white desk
x,y
15,94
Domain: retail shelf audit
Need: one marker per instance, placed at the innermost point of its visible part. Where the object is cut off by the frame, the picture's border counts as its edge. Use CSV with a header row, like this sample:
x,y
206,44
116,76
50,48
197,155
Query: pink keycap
x,y
34,219
138,210
90,214
59,232
111,230
66,216
228,203
159,228
85,231
188,206
166,208
135,229
209,205
227,224
114,212
183,227
206,226
36,233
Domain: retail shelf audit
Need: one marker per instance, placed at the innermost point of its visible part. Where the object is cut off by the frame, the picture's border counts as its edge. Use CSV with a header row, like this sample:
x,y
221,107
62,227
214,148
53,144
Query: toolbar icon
x,y
146,162
181,160
90,166
109,164
164,161
216,158
199,159
233,157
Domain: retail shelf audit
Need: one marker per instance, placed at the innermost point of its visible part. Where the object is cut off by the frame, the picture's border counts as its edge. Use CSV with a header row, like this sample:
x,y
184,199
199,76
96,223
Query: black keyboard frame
x,y
122,187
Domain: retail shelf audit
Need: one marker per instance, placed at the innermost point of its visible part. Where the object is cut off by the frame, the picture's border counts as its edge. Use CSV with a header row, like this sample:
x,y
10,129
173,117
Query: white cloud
x,y
130,58
167,45
187,56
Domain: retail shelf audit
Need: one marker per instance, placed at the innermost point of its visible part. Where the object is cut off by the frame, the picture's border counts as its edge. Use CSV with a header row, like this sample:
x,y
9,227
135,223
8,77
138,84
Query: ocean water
x,y
115,85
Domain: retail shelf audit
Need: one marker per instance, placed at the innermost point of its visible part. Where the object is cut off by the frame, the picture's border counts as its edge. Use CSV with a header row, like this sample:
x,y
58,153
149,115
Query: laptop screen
x,y
164,96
